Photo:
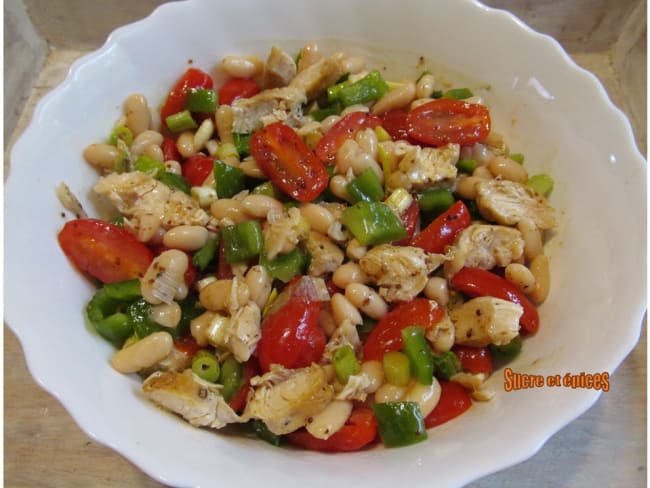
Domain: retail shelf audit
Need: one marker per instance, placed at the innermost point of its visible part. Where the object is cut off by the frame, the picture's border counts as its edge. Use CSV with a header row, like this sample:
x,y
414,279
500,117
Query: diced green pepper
x,y
181,121
458,93
265,188
541,183
467,165
446,365
399,423
366,186
242,241
369,88
373,223
397,368
149,165
436,200
143,326
508,351
242,144
228,179
121,133
206,254
366,327
260,429
285,266
518,157
345,363
105,310
320,114
202,100
206,366
115,328
231,377
418,350
173,180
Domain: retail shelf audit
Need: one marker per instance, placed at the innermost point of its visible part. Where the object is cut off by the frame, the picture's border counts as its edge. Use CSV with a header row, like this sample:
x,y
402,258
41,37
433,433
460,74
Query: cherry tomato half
x,y
387,334
474,359
344,129
170,151
236,88
442,232
446,120
175,102
409,218
285,158
359,430
291,335
197,169
238,401
454,400
396,124
103,250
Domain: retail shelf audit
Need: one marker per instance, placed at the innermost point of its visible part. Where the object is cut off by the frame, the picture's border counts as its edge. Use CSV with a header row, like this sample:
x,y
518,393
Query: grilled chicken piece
x,y
315,79
149,204
485,246
400,271
197,401
283,231
268,106
244,332
442,334
280,68
285,399
486,320
419,168
357,388
507,202
326,256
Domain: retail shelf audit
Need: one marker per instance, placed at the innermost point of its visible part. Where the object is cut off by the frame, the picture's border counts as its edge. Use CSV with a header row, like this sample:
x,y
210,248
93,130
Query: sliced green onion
x,y
446,365
242,241
541,183
467,165
149,165
397,368
229,180
121,133
206,366
458,93
202,100
399,423
418,350
436,200
345,363
181,121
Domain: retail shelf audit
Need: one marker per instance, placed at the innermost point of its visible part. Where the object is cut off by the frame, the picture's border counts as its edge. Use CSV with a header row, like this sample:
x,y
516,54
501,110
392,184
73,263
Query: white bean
x,y
354,64
355,250
102,156
309,54
144,353
145,139
203,134
396,98
390,393
250,168
216,296
342,309
154,152
367,140
166,314
426,396
347,273
259,284
186,237
466,187
185,144
319,218
164,280
533,244
425,86
520,276
199,327
438,290
539,267
329,420
172,166
483,172
328,122
242,66
366,299
259,206
354,108
508,169
338,186
223,118
374,371
228,208
138,116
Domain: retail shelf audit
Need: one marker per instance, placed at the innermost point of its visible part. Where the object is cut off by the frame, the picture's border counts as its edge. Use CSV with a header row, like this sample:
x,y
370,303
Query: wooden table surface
x,y
44,447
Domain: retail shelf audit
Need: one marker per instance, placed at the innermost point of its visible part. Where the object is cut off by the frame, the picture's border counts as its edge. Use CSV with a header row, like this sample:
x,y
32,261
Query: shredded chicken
x,y
273,105
326,256
285,399
197,401
442,334
280,68
283,231
315,79
244,331
507,202
400,271
486,320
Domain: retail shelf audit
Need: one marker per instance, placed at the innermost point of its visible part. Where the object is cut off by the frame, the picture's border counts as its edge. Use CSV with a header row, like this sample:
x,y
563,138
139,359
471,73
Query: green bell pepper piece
x,y
242,143
231,377
466,165
366,186
373,223
435,200
105,310
508,351
369,88
446,365
202,100
345,363
285,266
541,183
173,180
418,350
229,180
400,423
242,241
260,429
320,114
458,93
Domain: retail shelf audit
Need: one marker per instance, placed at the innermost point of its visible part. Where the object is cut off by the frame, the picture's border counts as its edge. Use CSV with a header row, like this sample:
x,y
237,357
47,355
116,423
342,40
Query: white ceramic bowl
x,y
553,111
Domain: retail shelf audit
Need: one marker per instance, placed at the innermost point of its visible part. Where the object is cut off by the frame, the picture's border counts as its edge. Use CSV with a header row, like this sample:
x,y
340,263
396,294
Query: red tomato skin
x,y
446,121
291,336
170,152
477,282
396,124
103,250
474,359
386,336
238,401
410,218
359,431
344,129
193,78
236,88
197,169
443,230
454,400
288,162
187,345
